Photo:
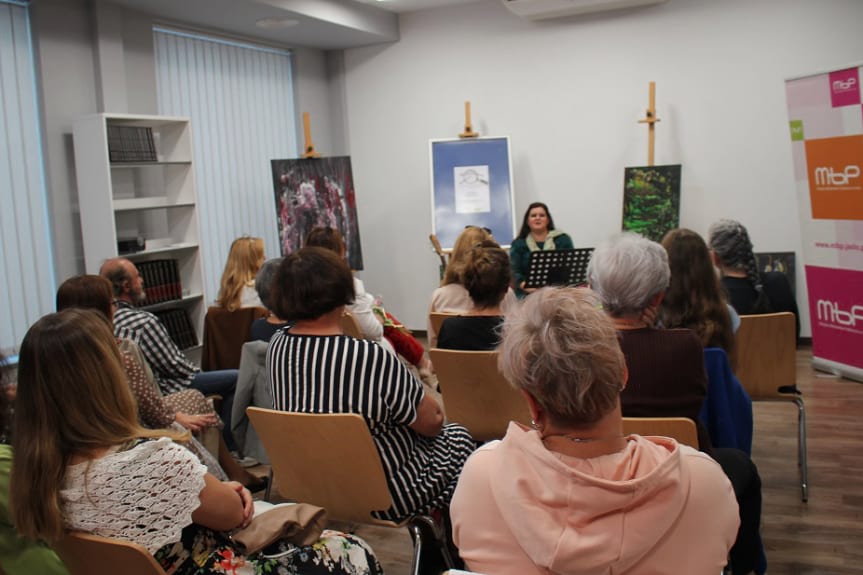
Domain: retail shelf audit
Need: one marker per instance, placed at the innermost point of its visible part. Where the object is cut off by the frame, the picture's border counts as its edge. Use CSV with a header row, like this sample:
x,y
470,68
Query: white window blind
x,y
240,100
25,249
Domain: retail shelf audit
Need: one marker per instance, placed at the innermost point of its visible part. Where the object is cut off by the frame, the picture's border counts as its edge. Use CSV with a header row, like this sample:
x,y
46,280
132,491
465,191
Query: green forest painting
x,y
651,200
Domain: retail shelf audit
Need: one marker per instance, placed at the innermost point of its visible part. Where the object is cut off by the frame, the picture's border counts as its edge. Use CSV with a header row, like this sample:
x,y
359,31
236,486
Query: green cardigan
x,y
519,255
19,556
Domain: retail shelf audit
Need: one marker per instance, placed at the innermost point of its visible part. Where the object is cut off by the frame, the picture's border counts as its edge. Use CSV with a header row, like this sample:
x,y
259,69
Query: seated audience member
x,y
573,494
263,329
630,274
84,464
452,295
487,276
749,291
421,456
694,298
18,556
537,234
237,287
173,372
187,409
375,324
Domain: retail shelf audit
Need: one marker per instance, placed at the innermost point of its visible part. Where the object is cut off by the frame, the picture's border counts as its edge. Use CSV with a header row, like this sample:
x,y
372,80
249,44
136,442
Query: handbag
x,y
300,524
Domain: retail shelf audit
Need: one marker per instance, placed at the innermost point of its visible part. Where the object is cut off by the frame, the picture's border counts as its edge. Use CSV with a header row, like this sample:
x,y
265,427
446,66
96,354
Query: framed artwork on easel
x,y
471,185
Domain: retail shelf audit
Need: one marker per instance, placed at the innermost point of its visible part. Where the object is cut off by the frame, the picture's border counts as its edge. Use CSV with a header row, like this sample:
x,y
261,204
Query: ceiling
x,y
324,24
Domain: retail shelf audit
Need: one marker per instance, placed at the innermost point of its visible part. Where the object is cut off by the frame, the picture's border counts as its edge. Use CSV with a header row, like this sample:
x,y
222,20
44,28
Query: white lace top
x,y
146,494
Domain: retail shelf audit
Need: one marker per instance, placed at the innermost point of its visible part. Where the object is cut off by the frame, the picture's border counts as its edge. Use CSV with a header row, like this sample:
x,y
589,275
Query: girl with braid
x,y
749,291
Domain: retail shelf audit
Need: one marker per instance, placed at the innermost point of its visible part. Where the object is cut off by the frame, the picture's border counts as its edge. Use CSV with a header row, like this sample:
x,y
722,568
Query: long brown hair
x,y
72,399
244,261
695,299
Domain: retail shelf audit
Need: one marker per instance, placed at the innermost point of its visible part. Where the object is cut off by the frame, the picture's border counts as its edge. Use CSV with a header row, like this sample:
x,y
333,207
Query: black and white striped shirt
x,y
173,372
340,374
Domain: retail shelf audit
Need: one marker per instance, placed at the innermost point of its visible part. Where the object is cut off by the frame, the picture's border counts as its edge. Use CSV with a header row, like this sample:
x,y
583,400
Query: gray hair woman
x,y
749,291
574,473
263,329
666,366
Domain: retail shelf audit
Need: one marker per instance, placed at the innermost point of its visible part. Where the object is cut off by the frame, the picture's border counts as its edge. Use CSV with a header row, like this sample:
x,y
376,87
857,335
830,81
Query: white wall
x,y
569,92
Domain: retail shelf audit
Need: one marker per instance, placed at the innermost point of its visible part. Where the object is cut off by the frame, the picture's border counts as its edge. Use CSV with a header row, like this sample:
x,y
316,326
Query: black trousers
x,y
747,553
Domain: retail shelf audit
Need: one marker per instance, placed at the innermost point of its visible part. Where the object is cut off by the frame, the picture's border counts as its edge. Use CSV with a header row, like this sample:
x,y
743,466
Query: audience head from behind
x,y
695,299
487,274
126,283
264,281
244,260
732,249
88,292
629,273
562,352
72,399
327,238
310,283
464,244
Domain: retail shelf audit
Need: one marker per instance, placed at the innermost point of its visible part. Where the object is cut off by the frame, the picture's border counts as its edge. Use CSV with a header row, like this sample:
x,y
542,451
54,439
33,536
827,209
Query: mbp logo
x,y
835,171
845,87
828,177
831,312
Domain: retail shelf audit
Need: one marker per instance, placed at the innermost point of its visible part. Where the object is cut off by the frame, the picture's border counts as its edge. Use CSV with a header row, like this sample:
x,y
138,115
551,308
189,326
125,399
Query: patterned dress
x,y
147,494
340,374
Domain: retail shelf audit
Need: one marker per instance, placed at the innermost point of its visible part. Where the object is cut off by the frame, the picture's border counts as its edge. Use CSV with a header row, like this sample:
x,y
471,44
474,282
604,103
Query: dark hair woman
x,y
537,234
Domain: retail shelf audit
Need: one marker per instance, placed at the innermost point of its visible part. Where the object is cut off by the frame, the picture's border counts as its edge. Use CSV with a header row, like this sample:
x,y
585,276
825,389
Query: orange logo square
x,y
835,167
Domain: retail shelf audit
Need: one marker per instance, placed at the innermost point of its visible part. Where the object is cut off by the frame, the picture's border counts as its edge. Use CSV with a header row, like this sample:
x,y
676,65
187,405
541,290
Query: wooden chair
x,y
765,349
475,393
437,318
681,429
86,554
225,332
351,326
331,460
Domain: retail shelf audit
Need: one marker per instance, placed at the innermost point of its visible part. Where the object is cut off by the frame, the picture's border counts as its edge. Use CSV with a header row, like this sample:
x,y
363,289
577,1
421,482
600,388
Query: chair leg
x,y
269,486
801,447
416,535
437,533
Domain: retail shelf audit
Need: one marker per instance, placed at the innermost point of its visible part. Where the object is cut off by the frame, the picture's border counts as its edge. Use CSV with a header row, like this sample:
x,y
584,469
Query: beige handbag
x,y
300,524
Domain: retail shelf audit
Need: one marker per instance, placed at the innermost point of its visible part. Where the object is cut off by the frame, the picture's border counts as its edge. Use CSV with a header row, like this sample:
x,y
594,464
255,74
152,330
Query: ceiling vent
x,y
541,9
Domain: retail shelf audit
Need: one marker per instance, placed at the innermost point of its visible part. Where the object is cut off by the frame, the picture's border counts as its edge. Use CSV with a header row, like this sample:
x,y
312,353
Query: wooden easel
x,y
440,253
468,129
309,147
650,119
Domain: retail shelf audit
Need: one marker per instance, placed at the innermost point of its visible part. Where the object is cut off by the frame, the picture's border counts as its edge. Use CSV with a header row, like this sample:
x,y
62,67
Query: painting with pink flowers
x,y
316,192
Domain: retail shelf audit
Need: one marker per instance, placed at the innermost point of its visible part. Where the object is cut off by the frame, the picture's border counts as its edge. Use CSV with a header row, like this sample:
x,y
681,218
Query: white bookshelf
x,y
154,200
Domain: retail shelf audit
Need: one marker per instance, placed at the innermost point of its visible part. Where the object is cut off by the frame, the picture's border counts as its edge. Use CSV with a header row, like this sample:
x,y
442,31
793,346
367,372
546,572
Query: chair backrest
x,y
85,554
329,460
475,393
351,326
436,319
680,428
225,332
765,351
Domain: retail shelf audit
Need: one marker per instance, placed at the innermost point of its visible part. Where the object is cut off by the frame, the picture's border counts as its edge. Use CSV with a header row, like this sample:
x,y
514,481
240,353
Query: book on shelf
x,y
161,281
131,144
179,327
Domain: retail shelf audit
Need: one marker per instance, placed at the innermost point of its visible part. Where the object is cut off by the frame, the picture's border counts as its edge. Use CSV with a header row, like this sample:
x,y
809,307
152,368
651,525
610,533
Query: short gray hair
x,y
560,347
264,280
627,271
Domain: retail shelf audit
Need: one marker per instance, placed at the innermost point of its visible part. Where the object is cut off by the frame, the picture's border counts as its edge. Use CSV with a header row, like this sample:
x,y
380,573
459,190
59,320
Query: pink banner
x,y
836,311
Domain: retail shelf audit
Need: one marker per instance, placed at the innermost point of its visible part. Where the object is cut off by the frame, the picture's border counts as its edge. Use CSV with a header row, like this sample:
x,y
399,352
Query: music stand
x,y
558,267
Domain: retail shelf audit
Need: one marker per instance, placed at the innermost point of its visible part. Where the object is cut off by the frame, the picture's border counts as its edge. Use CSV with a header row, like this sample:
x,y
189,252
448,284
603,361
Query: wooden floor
x,y
823,536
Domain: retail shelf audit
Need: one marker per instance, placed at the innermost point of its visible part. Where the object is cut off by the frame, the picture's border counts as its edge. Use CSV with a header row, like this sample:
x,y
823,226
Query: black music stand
x,y
558,267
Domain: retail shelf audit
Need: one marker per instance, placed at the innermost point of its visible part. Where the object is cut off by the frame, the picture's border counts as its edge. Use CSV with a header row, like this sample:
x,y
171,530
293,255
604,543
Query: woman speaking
x,y
537,234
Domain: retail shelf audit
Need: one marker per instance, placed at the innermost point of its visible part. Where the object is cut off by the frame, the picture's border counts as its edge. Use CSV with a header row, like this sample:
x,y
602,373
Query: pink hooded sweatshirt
x,y
656,507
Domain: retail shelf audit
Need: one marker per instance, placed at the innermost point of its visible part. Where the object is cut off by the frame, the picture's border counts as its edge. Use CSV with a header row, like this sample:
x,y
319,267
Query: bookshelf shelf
x,y
152,197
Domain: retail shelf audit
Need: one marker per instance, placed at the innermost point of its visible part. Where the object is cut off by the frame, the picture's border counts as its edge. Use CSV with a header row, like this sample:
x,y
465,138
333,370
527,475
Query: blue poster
x,y
471,186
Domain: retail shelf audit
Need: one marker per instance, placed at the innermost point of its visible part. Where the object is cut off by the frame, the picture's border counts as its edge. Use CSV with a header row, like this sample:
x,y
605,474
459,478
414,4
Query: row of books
x,y
130,144
161,281
179,327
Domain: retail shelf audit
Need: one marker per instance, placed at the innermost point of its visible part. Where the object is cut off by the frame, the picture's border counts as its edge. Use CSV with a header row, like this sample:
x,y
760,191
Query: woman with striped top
x,y
315,368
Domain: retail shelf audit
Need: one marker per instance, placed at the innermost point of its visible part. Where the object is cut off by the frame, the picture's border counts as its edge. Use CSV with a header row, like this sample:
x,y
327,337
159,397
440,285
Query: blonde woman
x,y
237,288
83,463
